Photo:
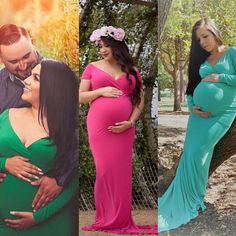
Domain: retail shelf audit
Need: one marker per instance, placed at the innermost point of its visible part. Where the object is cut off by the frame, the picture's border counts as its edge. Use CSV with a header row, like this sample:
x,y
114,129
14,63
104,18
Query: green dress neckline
x,y
17,136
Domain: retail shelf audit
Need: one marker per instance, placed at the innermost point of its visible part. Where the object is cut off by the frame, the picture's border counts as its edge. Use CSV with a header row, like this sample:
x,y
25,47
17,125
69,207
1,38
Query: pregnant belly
x,y
15,195
216,98
107,111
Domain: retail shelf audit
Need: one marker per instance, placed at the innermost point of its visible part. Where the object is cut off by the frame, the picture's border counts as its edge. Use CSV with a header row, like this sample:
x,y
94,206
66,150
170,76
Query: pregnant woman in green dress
x,y
42,133
211,96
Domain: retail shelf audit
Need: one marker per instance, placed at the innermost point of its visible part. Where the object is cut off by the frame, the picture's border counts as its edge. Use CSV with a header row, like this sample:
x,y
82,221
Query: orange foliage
x,y
58,37
18,5
46,5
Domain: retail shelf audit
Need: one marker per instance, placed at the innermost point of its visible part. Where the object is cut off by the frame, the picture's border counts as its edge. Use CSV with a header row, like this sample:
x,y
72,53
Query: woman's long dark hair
x,y
58,101
197,54
120,52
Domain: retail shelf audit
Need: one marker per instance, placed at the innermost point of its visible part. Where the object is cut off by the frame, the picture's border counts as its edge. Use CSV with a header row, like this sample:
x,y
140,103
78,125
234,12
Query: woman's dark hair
x,y
120,52
197,54
58,102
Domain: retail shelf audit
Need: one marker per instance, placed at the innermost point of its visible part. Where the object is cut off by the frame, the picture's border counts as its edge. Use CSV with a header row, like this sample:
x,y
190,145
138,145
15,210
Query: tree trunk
x,y
159,93
151,130
224,149
181,85
177,106
85,18
163,9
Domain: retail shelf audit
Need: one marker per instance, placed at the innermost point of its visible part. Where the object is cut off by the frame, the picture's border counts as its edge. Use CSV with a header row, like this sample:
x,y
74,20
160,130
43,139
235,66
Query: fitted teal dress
x,y
185,196
57,217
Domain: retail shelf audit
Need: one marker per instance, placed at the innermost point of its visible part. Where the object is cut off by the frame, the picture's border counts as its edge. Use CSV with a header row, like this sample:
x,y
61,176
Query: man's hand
x,y
25,221
48,190
2,176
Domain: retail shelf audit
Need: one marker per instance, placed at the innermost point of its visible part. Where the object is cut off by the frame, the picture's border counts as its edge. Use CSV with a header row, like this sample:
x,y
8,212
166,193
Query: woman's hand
x,y
25,221
21,168
199,112
120,126
110,92
212,78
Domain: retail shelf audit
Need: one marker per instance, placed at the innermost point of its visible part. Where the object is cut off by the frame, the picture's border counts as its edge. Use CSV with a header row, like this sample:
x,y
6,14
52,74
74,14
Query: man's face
x,y
19,58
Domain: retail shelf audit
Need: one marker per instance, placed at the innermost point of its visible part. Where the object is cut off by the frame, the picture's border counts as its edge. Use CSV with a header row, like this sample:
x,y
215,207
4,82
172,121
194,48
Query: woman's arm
x,y
20,167
228,79
137,110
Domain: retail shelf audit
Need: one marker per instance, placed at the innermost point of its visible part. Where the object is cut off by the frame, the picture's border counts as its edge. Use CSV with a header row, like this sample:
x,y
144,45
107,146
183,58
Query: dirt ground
x,y
219,219
141,217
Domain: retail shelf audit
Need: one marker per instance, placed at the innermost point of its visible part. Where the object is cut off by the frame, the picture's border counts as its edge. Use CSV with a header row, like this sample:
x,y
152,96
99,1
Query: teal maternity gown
x,y
56,218
185,196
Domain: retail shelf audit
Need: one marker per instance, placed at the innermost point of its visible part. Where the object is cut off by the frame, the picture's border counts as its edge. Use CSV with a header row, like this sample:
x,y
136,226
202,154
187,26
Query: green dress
x,y
185,196
57,217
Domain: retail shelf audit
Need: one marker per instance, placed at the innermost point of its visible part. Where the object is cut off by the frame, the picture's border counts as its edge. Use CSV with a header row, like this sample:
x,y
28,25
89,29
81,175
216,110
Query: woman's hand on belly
x,y
211,78
25,220
199,112
120,126
110,92
21,168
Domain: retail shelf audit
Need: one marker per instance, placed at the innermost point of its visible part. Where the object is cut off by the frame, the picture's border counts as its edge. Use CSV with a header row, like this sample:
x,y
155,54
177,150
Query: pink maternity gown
x,y
112,154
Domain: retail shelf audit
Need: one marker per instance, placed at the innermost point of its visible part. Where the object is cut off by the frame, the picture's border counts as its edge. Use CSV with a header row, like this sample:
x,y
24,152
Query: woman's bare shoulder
x,y
97,63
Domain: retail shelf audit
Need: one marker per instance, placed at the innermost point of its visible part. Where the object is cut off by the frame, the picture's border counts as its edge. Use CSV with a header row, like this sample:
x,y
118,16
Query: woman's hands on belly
x,y
204,114
110,92
120,126
25,220
211,97
211,78
21,168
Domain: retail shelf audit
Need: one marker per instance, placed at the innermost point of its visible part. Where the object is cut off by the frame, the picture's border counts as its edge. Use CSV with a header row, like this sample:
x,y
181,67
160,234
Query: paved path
x,y
171,127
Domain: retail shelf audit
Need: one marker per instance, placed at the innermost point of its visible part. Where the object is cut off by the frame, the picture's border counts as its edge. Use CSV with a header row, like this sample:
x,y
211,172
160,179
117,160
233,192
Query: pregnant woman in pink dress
x,y
113,86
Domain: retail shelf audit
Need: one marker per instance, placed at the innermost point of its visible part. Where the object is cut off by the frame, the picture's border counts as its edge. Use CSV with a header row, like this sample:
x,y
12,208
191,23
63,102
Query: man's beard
x,y
29,68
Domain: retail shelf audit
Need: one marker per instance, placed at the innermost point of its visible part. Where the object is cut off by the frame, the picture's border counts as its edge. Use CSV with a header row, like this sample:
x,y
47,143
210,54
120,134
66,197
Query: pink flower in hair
x,y
119,34
104,31
111,30
96,35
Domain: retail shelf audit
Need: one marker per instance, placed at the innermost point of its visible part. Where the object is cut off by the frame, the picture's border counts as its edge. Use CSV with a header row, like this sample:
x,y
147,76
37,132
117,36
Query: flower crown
x,y
116,33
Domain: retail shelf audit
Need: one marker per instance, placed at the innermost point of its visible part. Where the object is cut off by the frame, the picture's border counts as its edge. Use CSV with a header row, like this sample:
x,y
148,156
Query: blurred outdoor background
x,y
53,25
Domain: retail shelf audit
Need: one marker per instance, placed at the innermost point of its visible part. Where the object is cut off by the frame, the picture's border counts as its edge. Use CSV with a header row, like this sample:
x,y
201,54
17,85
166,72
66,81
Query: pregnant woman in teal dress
x,y
42,133
211,96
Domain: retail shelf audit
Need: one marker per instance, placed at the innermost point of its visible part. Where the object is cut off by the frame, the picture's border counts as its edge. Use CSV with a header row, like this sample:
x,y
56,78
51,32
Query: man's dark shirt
x,y
11,89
